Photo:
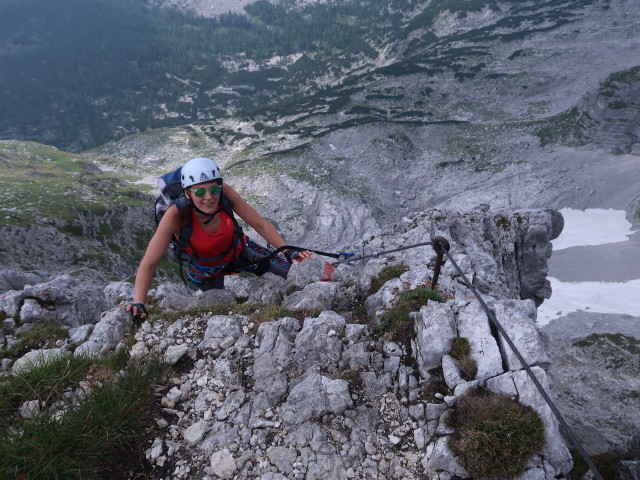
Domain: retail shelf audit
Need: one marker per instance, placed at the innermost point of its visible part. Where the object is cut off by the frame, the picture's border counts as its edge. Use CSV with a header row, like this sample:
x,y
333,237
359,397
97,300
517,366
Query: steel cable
x,y
576,443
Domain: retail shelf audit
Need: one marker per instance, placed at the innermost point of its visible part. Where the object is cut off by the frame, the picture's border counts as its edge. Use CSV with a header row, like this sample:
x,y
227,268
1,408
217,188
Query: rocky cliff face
x,y
328,395
103,245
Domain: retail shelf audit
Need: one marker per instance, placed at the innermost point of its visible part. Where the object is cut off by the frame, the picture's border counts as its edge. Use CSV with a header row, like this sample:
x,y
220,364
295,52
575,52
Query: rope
x,y
576,443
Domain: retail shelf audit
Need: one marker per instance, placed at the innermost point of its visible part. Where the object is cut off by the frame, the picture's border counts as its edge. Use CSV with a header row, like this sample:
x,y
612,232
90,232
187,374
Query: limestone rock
x,y
35,358
63,301
317,296
555,451
107,333
17,279
315,344
195,432
220,327
118,292
473,325
273,356
223,464
175,353
524,334
435,329
440,458
315,396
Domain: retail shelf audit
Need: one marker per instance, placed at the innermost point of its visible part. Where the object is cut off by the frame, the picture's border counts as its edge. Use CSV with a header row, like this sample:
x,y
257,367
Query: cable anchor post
x,y
440,245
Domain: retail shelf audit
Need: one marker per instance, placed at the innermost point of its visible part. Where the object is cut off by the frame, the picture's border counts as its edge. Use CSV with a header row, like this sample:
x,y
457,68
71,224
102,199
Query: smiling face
x,y
205,196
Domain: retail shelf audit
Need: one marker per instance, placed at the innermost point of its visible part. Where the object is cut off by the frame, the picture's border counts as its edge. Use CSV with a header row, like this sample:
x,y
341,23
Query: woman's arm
x,y
168,227
247,213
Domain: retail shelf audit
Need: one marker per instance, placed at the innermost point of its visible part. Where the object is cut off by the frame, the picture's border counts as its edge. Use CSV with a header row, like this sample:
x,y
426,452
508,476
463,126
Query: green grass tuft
x,y
386,274
495,436
616,350
461,352
397,321
75,439
40,336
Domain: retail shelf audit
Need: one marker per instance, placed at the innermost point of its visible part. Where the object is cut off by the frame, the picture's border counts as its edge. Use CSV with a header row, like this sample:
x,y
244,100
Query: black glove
x,y
140,309
291,255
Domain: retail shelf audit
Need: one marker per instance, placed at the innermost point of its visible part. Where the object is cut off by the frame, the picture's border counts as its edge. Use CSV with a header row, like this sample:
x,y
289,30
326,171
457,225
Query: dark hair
x,y
184,216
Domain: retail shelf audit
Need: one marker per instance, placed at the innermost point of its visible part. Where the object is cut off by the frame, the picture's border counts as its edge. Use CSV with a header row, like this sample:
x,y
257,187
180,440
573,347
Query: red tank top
x,y
205,244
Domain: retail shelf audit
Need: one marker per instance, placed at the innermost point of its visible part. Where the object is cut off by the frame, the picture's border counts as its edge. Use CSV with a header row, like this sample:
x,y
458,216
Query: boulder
x,y
17,279
35,358
112,328
524,334
118,292
319,341
314,397
273,355
176,296
435,329
63,301
473,325
317,296
439,458
222,464
221,327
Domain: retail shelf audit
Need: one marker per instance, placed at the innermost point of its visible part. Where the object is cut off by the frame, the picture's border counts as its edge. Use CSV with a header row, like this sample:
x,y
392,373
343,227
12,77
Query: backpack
x,y
171,192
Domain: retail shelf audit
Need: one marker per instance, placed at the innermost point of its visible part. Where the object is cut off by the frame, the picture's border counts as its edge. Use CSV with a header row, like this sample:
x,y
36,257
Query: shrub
x,y
494,435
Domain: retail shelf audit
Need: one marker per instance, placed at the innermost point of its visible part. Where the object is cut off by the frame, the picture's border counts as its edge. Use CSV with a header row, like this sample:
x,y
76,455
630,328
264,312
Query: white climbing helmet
x,y
199,170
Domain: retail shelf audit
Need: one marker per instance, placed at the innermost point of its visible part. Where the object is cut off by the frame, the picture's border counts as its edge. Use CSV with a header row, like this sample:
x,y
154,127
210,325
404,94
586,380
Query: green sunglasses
x,y
200,191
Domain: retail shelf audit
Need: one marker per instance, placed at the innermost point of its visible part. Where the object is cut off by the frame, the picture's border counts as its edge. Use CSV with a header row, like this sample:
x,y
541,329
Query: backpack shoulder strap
x,y
187,230
225,204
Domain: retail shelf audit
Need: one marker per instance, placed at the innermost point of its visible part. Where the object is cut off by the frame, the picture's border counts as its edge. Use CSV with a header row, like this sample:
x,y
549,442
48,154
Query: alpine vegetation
x,y
275,378
70,416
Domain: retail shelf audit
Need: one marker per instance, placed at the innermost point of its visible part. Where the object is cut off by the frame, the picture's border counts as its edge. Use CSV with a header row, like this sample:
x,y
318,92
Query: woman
x,y
212,230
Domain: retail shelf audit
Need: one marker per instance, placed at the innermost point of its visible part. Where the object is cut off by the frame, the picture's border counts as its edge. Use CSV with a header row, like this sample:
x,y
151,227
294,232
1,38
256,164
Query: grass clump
x,y
40,336
386,274
257,312
614,349
397,321
494,435
608,464
461,352
75,438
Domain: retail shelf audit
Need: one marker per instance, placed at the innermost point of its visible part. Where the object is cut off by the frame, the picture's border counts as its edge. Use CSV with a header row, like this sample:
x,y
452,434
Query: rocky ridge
x,y
322,396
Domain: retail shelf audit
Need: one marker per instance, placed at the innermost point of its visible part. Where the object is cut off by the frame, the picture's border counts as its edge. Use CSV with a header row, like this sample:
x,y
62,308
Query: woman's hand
x,y
137,309
297,256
